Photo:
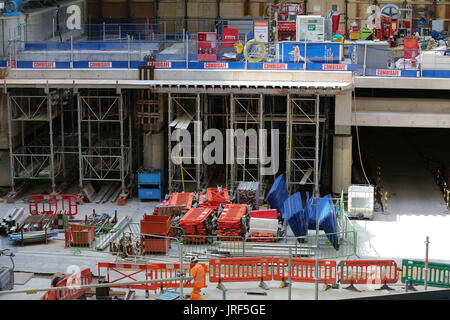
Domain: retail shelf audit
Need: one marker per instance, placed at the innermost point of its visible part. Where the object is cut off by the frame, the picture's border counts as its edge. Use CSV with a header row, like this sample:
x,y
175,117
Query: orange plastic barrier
x,y
48,204
240,269
84,278
368,271
303,270
170,270
127,272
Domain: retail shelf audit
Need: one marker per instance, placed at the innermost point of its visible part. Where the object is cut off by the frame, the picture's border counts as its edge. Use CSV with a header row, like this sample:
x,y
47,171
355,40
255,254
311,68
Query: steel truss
x,y
302,141
105,152
184,170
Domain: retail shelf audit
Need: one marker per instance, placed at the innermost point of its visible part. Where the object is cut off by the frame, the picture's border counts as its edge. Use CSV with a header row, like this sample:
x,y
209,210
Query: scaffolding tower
x,y
184,140
302,141
104,139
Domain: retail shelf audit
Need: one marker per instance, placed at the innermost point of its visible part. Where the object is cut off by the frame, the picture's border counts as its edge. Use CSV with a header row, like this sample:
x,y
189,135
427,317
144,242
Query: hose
x,y
260,44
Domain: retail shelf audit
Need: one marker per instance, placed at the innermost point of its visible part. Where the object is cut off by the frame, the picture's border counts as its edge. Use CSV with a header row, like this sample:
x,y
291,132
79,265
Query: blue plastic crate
x,y
149,194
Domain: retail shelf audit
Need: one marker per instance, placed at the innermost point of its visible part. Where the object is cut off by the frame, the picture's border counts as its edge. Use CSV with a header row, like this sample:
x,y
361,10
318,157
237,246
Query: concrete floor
x,y
415,210
415,207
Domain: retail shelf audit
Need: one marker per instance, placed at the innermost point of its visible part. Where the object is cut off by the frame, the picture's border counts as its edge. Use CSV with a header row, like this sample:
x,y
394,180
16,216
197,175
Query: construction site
x,y
224,150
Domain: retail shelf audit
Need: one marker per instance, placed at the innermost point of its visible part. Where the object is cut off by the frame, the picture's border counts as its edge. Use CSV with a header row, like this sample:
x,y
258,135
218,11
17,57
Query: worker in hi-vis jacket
x,y
198,272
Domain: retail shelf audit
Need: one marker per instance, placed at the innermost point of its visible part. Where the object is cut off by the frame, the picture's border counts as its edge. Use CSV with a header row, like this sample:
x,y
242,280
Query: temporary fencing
x,y
303,270
413,271
171,270
53,203
240,269
117,272
368,272
83,278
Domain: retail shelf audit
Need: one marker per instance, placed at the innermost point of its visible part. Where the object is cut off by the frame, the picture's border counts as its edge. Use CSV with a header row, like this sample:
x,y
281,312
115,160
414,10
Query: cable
x,y
357,139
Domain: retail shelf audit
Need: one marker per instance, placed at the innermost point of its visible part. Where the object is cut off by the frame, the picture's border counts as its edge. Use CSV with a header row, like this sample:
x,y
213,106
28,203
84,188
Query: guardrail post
x,y
290,275
304,60
104,32
128,39
180,249
365,58
427,242
71,52
245,51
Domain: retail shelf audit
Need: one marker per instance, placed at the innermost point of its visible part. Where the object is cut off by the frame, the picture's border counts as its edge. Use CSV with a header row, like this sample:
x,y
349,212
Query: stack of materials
x,y
152,226
248,192
12,221
230,222
263,225
277,194
214,198
296,216
194,222
33,236
326,215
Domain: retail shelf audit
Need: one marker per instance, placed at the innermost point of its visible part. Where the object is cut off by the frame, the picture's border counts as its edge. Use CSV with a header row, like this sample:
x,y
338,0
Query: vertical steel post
x,y
50,125
53,29
316,193
169,158
104,32
365,58
122,164
71,52
290,275
180,249
11,156
288,136
427,242
232,149
128,39
304,60
260,137
197,141
80,154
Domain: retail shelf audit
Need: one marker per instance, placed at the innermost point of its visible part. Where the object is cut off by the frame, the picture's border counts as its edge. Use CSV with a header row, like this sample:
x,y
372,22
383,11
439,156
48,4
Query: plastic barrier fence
x,y
368,271
84,278
116,272
170,270
240,269
53,203
303,270
414,272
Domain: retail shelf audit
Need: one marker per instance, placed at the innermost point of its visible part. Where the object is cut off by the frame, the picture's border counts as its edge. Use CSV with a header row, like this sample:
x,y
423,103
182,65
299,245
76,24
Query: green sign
x,y
311,27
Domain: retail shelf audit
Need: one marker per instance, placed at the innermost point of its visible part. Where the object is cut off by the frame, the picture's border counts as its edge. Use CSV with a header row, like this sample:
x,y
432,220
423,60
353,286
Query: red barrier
x,y
83,278
127,272
303,270
170,270
49,204
240,269
368,271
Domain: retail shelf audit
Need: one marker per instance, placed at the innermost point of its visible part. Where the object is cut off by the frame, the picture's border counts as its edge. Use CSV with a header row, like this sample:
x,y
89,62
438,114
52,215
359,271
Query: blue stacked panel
x,y
278,194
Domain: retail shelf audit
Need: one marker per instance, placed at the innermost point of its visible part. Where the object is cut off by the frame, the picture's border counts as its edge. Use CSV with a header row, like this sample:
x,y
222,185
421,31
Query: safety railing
x,y
126,50
414,272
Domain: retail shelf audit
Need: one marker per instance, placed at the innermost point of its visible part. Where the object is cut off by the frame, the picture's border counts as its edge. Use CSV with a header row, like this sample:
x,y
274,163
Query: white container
x,y
261,225
360,201
438,25
310,28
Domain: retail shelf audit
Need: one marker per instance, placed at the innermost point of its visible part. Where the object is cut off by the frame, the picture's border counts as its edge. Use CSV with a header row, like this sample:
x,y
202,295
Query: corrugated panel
x,y
277,194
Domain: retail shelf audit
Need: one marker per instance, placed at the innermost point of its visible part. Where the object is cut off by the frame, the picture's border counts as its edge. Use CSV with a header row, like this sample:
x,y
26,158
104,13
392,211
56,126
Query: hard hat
x,y
194,259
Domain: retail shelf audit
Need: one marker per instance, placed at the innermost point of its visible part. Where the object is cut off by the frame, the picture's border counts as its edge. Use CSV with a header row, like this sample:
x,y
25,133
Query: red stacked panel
x,y
214,198
193,223
262,237
181,198
230,223
264,214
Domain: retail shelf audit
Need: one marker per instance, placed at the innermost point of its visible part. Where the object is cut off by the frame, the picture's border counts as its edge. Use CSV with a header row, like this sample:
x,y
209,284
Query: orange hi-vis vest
x,y
199,274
